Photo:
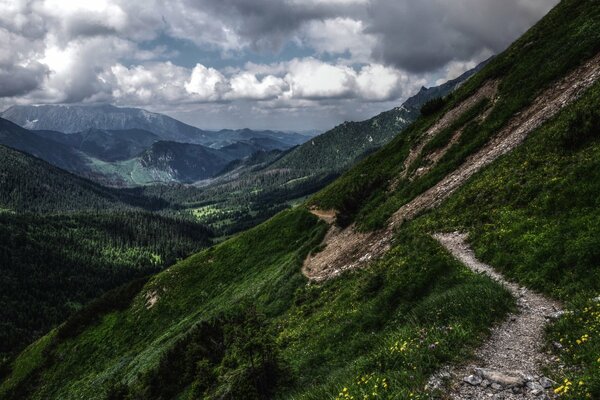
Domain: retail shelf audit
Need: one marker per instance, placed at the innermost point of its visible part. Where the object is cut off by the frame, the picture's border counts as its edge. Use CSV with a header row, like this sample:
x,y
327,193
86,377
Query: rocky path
x,y
507,366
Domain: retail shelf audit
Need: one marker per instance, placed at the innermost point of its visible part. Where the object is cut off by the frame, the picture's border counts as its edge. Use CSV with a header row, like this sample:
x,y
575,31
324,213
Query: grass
x,y
327,334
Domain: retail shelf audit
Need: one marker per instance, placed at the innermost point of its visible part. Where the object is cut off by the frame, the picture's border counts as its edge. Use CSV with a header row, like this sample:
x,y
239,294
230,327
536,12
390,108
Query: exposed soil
x,y
347,249
487,91
510,360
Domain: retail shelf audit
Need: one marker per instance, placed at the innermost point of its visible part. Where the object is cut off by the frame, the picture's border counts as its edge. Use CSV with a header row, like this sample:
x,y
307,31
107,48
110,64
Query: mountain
x,y
425,94
342,146
31,184
182,162
82,118
53,152
133,156
67,240
350,296
106,145
284,139
79,118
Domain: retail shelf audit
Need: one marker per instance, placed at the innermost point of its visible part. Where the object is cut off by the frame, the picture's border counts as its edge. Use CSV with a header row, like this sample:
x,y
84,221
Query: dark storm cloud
x,y
425,35
17,80
267,24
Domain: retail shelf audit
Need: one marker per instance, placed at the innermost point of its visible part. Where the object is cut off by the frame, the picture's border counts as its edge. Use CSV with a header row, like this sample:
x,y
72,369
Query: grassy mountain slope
x,y
239,321
66,240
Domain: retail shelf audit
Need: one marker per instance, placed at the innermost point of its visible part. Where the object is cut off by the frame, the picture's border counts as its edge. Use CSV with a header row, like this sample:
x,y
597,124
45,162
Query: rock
x,y
535,388
473,380
557,345
555,315
503,378
485,383
496,386
547,383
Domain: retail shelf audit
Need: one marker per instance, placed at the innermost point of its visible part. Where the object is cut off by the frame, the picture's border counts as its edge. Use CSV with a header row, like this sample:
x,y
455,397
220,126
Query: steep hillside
x,y
66,240
511,158
52,265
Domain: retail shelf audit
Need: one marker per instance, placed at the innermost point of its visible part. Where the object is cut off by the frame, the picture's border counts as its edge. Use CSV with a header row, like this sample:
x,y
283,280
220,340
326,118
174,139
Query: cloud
x,y
248,87
17,80
422,36
307,79
341,57
206,83
338,36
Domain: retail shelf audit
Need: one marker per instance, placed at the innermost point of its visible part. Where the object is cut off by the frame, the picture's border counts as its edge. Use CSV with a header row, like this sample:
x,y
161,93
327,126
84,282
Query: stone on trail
x,y
506,379
473,380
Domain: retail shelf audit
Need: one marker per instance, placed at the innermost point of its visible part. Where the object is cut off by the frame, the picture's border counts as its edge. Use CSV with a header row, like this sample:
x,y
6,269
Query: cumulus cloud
x,y
298,80
341,57
247,86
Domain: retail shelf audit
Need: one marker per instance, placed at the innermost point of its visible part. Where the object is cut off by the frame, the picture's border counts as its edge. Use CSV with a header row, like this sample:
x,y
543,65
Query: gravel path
x,y
508,364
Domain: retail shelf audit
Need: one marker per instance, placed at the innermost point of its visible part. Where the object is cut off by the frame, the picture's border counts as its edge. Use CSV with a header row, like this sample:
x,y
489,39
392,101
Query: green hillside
x,y
239,320
30,184
50,266
67,240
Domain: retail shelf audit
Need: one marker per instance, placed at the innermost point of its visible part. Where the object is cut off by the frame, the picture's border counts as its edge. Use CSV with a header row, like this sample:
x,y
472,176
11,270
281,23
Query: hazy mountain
x,y
81,118
28,183
183,162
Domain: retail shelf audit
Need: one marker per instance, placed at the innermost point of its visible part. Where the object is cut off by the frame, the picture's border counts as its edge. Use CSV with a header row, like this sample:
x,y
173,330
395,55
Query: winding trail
x,y
511,358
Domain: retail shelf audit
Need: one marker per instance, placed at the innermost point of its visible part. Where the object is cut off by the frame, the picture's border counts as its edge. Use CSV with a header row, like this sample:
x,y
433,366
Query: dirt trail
x,y
510,360
347,249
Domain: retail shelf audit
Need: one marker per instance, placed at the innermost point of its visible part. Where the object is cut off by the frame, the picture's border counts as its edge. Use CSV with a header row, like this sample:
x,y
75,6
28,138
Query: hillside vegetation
x,y
239,320
67,240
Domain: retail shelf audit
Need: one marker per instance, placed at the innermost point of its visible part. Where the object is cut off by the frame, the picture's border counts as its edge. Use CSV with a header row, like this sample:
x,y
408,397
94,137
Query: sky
x,y
263,64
